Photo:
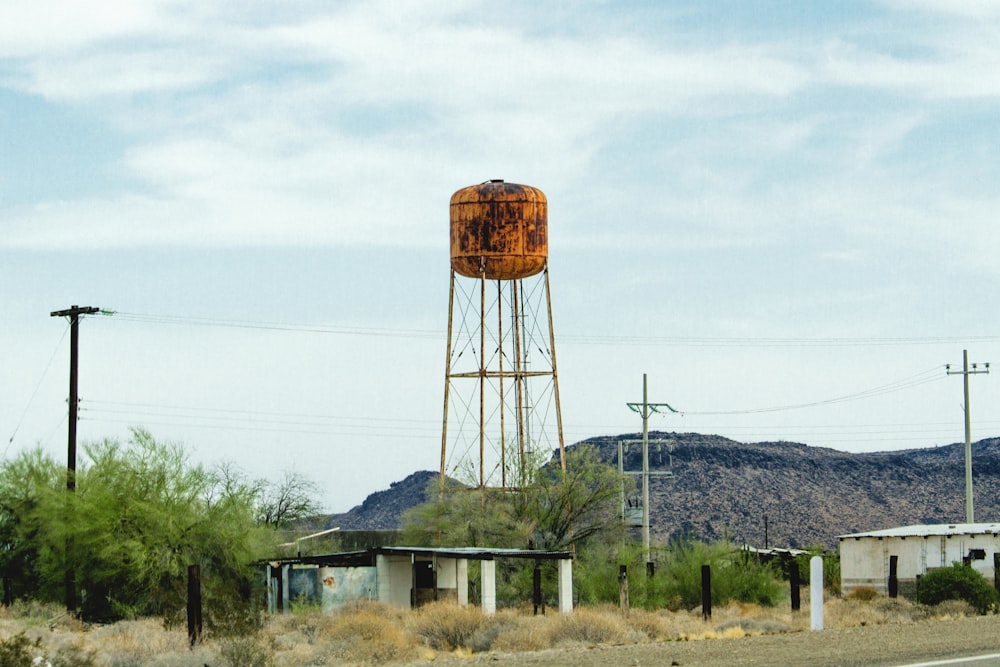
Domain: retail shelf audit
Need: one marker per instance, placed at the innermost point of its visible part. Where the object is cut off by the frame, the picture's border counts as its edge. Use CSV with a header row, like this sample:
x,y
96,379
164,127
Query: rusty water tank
x,y
499,231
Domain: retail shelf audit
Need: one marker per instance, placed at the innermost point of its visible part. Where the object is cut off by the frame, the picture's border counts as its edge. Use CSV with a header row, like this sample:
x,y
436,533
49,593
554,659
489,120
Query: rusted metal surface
x,y
499,231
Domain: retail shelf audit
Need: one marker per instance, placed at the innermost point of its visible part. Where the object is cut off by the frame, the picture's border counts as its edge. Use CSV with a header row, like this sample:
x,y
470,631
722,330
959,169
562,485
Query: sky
x,y
783,213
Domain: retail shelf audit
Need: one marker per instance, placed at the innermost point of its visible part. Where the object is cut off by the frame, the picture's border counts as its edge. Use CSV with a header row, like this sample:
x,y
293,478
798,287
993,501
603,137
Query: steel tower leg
x,y
447,377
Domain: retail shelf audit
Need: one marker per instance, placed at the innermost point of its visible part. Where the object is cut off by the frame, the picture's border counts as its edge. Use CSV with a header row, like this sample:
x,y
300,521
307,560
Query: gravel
x,y
878,645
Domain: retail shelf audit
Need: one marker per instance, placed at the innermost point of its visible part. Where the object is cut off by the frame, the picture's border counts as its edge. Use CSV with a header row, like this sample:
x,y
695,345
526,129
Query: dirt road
x,y
871,646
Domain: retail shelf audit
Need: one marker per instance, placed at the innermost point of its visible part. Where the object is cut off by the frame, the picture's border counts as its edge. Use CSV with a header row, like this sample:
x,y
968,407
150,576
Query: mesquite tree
x,y
141,513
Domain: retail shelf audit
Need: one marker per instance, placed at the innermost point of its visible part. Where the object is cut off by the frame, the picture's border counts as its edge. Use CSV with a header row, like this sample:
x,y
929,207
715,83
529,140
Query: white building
x,y
865,558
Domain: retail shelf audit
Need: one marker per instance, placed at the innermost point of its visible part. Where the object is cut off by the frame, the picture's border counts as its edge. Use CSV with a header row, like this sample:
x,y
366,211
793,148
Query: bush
x,y
676,583
447,626
735,576
142,513
368,633
745,579
245,652
589,626
958,582
17,651
863,594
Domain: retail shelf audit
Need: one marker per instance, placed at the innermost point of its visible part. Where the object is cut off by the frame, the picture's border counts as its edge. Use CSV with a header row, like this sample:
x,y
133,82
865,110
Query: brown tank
x,y
499,231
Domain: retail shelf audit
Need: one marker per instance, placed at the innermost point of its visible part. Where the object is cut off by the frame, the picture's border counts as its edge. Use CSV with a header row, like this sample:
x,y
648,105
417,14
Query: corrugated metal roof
x,y
478,553
931,530
367,556
772,551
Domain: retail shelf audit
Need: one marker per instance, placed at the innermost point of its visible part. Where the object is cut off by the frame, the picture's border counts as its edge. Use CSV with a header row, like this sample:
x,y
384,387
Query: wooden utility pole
x,y
73,313
965,373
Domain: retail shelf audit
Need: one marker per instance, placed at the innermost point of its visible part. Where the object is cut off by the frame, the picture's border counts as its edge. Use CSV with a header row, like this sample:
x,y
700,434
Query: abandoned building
x,y
882,559
403,576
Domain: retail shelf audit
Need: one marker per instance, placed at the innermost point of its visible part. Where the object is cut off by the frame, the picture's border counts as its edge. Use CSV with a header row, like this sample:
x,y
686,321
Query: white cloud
x,y
45,27
375,106
336,126
882,136
73,79
975,9
957,59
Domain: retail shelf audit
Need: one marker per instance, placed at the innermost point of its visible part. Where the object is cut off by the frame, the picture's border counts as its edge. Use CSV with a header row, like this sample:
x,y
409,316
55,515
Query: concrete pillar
x,y
816,592
383,579
488,587
462,580
565,585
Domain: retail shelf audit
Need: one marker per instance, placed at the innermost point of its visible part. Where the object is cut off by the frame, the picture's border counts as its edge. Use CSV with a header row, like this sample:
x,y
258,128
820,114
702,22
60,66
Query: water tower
x,y
501,395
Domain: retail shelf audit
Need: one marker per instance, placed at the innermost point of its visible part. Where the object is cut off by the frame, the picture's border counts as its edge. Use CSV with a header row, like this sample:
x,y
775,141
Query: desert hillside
x,y
723,488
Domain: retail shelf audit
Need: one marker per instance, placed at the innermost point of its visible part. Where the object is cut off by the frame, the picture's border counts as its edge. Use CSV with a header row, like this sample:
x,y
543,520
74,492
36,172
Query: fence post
x,y
893,578
816,591
795,583
996,571
706,592
623,588
194,604
536,581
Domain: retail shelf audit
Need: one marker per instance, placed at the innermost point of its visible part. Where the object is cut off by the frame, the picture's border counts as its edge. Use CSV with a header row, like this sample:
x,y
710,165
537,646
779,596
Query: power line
x,y
313,423
249,412
270,326
38,386
924,377
242,420
570,339
748,341
255,428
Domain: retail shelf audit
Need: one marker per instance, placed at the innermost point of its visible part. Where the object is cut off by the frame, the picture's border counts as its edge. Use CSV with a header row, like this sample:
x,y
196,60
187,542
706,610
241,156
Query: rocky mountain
x,y
383,510
721,488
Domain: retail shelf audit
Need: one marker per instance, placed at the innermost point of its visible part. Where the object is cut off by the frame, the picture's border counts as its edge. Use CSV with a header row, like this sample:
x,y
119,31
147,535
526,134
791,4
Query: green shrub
x,y
958,582
142,513
831,567
676,583
18,651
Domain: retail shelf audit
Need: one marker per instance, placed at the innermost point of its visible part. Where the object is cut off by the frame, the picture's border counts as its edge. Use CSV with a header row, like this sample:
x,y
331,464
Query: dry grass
x,y
447,626
863,594
362,633
63,640
881,610
522,633
590,626
370,633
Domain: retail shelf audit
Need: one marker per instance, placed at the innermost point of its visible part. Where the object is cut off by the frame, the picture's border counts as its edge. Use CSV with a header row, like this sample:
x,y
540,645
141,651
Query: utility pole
x,y
73,313
645,409
965,373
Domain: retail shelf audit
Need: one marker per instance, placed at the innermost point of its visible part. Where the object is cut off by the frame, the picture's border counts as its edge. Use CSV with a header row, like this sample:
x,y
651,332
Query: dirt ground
x,y
880,645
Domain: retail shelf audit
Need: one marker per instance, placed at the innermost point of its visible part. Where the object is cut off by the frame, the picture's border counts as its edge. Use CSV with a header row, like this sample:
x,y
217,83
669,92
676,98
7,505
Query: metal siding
x,y
340,585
